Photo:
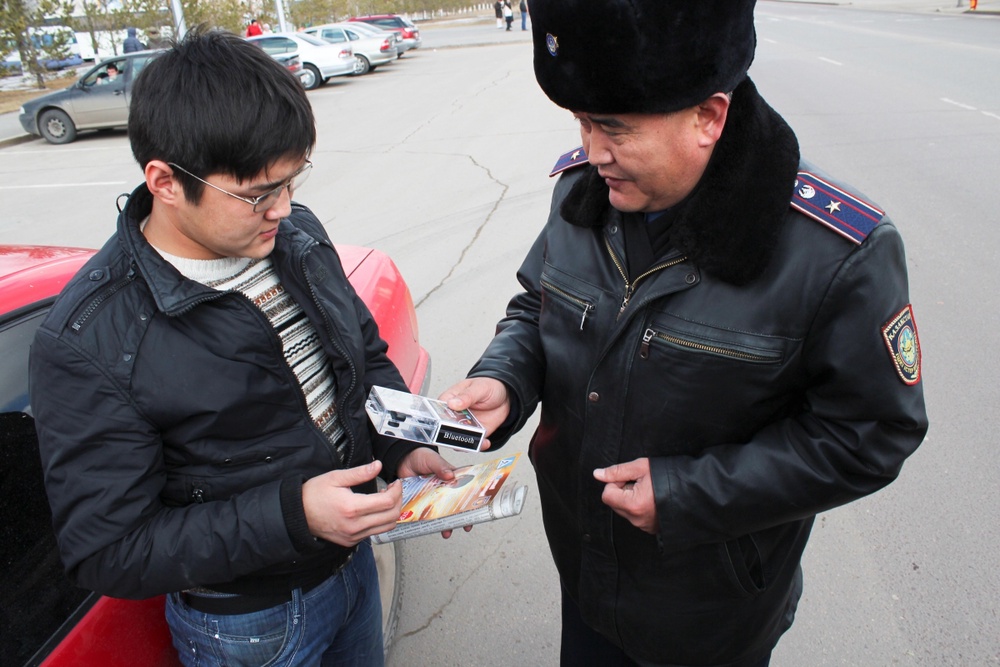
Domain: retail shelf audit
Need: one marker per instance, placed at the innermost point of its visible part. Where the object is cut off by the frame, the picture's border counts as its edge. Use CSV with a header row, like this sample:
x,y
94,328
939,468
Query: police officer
x,y
719,335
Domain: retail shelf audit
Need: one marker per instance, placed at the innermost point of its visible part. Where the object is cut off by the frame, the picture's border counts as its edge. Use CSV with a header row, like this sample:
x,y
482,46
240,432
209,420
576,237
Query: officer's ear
x,y
711,115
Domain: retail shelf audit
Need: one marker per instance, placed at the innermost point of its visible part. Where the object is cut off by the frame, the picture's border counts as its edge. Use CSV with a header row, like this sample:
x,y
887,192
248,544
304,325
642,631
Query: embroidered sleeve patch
x,y
573,158
900,336
840,211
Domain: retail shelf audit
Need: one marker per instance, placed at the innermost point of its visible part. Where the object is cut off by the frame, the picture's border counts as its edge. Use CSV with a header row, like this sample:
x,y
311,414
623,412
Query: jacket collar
x,y
172,292
729,225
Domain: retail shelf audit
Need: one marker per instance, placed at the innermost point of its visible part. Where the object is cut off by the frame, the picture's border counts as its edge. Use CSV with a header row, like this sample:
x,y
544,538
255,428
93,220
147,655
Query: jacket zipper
x,y
586,306
630,286
95,304
342,395
650,334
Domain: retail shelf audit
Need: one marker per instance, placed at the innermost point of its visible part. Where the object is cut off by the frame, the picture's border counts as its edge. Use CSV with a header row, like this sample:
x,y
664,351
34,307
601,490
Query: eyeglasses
x,y
266,200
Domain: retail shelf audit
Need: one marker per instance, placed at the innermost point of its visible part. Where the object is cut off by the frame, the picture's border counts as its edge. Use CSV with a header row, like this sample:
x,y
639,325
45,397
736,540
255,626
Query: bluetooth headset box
x,y
425,420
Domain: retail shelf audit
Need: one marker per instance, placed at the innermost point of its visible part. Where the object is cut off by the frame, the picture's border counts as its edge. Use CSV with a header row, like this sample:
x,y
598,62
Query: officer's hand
x,y
628,490
486,397
337,514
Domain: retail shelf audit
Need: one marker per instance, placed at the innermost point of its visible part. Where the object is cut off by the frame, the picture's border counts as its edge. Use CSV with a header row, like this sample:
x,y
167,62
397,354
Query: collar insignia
x,y
552,43
573,158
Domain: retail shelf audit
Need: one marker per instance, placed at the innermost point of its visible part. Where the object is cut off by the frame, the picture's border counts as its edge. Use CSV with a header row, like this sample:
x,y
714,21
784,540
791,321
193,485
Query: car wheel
x,y
388,560
310,77
361,65
56,126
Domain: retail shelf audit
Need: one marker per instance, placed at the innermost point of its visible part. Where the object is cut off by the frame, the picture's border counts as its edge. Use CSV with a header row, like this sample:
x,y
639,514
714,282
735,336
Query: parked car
x,y
291,61
95,102
376,31
369,51
47,620
321,60
409,32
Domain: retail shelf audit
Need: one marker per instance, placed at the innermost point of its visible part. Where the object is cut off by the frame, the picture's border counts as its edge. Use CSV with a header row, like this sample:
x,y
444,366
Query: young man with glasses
x,y
199,386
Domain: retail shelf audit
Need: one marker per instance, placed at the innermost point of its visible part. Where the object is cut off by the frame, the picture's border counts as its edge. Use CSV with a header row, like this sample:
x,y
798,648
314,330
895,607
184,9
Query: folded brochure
x,y
477,494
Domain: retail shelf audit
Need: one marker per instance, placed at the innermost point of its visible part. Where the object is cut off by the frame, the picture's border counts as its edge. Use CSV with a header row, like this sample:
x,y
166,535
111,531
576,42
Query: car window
x,y
353,36
334,35
35,594
275,45
310,39
100,76
138,64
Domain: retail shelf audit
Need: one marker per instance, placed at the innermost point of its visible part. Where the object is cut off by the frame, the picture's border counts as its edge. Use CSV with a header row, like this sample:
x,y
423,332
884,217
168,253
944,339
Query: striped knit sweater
x,y
257,280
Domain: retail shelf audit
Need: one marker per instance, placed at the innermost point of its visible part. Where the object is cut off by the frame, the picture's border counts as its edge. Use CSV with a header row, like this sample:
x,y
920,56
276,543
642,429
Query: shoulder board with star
x,y
574,158
841,211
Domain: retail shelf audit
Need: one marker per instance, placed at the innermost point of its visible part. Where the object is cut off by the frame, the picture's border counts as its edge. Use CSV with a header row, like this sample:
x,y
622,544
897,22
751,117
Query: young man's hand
x,y
336,514
425,461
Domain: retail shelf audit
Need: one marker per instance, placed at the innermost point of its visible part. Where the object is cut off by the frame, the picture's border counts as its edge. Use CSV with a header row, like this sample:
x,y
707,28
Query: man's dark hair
x,y
217,104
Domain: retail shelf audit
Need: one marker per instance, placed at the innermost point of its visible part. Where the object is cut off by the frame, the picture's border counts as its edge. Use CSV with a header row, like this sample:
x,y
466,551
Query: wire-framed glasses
x,y
266,200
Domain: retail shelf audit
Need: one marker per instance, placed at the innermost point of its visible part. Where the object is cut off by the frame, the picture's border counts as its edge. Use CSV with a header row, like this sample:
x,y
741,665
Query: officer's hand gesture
x,y
628,490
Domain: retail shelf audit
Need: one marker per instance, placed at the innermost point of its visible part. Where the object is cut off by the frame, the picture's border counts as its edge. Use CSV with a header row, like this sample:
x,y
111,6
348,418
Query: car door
x,y
103,102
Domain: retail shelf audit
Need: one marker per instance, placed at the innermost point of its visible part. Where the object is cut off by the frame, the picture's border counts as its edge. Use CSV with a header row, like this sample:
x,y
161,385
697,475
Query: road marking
x,y
991,115
832,62
61,185
958,104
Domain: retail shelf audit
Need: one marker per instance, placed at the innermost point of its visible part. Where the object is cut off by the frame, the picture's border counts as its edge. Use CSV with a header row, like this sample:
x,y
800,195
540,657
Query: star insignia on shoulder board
x,y
833,206
576,155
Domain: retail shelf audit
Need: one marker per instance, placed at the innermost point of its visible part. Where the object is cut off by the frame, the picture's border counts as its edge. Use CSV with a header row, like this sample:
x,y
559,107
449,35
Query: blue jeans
x,y
338,623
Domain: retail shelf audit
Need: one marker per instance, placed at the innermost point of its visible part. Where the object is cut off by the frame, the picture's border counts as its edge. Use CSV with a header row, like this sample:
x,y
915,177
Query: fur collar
x,y
729,225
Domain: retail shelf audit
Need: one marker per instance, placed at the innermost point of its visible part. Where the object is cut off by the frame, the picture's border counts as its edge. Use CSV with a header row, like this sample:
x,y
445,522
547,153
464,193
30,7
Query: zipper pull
x,y
628,294
586,309
644,348
198,495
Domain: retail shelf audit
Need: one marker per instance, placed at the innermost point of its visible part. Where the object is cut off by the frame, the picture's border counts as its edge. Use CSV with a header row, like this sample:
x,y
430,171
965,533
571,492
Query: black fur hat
x,y
640,56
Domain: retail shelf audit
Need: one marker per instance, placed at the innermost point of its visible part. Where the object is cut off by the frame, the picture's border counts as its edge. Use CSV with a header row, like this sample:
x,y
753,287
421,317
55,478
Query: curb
x,y
15,140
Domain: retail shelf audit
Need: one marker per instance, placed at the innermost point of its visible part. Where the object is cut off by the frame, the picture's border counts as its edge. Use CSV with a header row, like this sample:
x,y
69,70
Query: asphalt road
x,y
441,160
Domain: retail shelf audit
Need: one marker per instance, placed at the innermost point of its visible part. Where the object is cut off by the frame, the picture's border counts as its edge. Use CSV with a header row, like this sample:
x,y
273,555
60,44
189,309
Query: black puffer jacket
x,y
175,438
749,365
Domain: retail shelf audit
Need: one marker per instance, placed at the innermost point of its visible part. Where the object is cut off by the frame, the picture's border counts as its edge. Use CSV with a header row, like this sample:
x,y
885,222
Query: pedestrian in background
x,y
498,8
524,15
719,336
254,29
508,14
132,43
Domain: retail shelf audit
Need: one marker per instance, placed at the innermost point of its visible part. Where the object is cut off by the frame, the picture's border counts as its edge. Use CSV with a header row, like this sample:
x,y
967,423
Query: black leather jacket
x,y
174,436
749,364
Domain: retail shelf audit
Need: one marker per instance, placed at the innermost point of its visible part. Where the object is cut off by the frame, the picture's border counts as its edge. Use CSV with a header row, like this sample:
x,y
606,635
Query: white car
x,y
370,51
321,60
375,30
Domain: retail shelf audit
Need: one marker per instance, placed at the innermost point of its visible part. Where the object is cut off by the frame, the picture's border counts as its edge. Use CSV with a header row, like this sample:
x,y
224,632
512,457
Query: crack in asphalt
x,y
454,591
475,236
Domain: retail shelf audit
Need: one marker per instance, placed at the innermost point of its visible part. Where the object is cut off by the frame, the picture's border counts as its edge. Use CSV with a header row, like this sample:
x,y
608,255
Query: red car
x,y
48,621
409,33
